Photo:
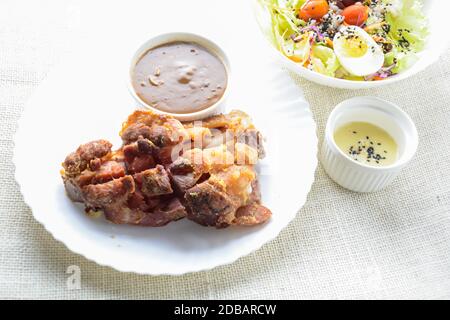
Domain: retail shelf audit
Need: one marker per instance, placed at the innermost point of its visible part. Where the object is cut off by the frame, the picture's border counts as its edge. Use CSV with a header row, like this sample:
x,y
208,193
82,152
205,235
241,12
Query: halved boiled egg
x,y
357,52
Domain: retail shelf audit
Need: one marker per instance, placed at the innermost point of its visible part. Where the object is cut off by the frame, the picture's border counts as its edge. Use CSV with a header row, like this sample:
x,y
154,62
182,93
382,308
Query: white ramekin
x,y
357,176
186,37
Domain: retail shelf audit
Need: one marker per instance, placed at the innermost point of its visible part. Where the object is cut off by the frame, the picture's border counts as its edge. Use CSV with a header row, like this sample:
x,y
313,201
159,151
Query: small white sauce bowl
x,y
185,37
357,176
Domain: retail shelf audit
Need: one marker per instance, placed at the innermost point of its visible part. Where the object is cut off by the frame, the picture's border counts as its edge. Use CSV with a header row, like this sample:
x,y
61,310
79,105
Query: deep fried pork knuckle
x,y
166,170
218,201
161,130
77,161
251,215
154,182
111,193
184,174
210,205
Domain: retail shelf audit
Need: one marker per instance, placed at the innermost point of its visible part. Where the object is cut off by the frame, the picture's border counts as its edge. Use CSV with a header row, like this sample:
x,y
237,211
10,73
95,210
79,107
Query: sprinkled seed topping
x,y
372,148
370,151
331,25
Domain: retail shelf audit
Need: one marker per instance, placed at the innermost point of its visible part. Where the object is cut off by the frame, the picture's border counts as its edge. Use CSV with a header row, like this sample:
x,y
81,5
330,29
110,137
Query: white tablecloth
x,y
391,244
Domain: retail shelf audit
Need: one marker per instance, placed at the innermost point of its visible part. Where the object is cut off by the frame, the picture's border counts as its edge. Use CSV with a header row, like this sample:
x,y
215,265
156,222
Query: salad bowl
x,y
437,42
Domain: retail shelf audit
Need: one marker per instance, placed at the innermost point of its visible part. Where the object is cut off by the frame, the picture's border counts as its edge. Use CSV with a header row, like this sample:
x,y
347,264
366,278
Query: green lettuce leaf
x,y
408,32
328,60
283,18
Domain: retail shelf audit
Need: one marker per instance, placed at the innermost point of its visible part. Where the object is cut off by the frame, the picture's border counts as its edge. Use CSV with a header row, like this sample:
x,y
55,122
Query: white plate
x,y
86,98
438,42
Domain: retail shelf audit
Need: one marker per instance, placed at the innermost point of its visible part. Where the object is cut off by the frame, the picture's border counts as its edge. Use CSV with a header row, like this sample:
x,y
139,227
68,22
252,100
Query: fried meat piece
x,y
108,171
136,131
164,132
172,210
158,217
159,129
161,175
110,193
73,190
217,201
184,174
78,161
139,155
210,205
251,215
235,120
154,182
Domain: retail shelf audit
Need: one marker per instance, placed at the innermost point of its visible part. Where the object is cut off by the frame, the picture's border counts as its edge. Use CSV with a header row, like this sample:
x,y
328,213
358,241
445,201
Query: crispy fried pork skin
x,y
140,155
77,161
239,123
165,171
160,129
154,182
108,171
77,172
164,132
210,205
184,174
251,215
135,131
217,201
235,120
110,193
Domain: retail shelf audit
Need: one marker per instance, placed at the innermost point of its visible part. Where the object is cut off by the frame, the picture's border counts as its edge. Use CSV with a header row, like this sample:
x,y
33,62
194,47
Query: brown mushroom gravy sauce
x,y
179,77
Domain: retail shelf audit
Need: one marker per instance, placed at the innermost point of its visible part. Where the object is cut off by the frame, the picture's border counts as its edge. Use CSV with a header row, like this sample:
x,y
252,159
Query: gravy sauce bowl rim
x,y
167,38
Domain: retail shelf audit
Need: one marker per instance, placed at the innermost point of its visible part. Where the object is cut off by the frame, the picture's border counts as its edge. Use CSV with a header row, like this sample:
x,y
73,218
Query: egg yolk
x,y
354,46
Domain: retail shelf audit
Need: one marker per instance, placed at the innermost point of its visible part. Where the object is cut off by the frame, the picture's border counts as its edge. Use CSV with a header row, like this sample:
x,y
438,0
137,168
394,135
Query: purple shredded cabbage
x,y
383,73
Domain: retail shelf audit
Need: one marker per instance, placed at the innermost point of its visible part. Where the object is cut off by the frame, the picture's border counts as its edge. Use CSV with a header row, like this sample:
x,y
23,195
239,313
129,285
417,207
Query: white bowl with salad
x,y
355,44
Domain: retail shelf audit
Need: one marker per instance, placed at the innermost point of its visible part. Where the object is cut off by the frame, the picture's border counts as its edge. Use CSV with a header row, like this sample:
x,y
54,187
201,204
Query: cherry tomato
x,y
314,9
356,14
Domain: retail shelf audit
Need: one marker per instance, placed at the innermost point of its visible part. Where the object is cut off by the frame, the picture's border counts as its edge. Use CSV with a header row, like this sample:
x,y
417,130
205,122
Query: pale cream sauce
x,y
367,143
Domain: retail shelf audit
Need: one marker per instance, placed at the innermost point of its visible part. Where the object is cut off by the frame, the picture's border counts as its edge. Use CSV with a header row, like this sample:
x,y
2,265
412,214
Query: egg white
x,y
371,62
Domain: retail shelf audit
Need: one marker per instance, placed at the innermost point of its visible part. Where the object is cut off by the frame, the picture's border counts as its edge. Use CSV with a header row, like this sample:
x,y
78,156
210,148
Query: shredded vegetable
x,y
304,31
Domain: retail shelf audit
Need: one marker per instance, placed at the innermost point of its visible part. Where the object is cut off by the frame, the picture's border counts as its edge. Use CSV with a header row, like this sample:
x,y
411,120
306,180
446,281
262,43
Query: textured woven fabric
x,y
390,244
